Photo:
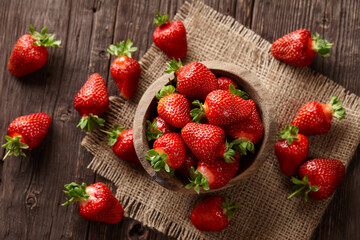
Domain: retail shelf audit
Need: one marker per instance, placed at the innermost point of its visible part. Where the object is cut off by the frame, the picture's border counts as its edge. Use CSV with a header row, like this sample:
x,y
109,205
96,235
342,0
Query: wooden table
x,y
31,188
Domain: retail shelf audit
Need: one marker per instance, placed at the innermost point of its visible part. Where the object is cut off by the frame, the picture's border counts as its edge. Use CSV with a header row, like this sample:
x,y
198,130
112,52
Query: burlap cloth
x,y
265,213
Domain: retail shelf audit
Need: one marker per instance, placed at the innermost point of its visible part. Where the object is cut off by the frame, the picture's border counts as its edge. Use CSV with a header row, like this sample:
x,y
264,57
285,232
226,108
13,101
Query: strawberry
x,y
224,83
29,53
291,150
91,102
174,108
125,69
157,128
250,129
96,202
190,161
193,80
298,48
222,108
320,178
213,213
170,37
122,143
26,132
169,152
315,118
213,173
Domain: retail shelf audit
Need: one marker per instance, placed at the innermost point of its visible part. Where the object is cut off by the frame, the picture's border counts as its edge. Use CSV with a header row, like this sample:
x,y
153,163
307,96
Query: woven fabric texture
x,y
265,212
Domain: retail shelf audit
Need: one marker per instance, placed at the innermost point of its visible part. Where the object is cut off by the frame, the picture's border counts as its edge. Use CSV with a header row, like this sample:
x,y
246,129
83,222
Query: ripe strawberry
x,y
92,101
157,128
193,80
170,37
169,152
315,118
96,202
213,173
291,150
213,214
29,53
122,143
320,178
190,161
125,69
174,108
222,108
298,48
26,132
250,129
224,83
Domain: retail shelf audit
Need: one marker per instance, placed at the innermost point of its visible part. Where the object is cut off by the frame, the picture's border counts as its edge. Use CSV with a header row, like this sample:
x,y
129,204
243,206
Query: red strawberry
x,y
190,161
315,118
320,178
122,143
91,102
125,69
26,132
170,37
172,107
224,83
250,129
222,108
213,173
29,53
291,150
213,214
298,48
157,128
193,80
169,152
96,202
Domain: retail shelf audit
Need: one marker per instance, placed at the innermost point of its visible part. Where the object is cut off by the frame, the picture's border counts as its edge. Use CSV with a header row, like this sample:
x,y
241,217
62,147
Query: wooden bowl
x,y
248,82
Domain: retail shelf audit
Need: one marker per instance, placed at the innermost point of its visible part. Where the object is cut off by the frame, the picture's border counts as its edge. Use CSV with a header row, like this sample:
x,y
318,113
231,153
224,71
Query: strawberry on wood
x,y
224,83
30,52
26,132
157,128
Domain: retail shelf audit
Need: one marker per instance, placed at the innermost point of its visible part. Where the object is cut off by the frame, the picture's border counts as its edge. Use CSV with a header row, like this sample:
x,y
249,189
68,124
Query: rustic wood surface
x,y
31,187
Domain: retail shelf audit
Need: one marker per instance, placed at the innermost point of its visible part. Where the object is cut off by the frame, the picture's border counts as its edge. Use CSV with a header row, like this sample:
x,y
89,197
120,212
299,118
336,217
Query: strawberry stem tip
x,y
242,146
165,91
289,133
14,146
160,19
238,92
173,66
122,48
152,132
76,192
303,187
197,113
43,38
321,46
337,110
158,161
196,180
90,122
114,134
230,208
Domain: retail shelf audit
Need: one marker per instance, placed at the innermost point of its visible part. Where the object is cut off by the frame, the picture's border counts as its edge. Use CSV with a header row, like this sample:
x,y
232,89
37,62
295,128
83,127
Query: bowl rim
x,y
249,83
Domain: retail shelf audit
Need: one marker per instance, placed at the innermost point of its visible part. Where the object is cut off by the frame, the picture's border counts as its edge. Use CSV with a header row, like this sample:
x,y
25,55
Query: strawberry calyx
x,y
243,146
90,122
160,19
165,91
229,208
122,48
197,113
114,134
321,46
14,146
303,187
158,162
173,66
43,38
196,180
238,92
152,132
336,106
76,192
289,133
230,150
